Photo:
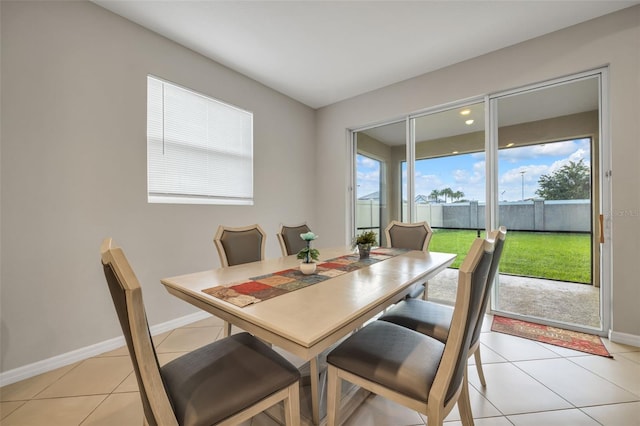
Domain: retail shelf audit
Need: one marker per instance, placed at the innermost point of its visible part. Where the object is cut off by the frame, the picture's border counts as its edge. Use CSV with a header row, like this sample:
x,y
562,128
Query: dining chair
x,y
414,236
237,246
223,383
240,245
410,368
289,238
434,319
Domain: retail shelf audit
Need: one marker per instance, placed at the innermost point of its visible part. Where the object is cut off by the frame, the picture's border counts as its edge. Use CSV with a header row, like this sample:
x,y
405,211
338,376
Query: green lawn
x,y
555,256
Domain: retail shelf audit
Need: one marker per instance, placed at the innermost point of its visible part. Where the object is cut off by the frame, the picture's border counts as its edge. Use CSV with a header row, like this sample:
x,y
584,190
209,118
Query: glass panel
x,y
450,177
547,158
379,153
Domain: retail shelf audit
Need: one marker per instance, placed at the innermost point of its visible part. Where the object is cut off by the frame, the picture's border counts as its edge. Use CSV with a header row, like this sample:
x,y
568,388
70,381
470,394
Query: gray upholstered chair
x,y
237,246
222,383
240,245
410,368
289,238
434,319
414,236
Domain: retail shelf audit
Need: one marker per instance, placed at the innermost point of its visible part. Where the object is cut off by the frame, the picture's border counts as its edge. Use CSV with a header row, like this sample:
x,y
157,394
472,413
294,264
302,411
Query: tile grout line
x,y
604,378
57,380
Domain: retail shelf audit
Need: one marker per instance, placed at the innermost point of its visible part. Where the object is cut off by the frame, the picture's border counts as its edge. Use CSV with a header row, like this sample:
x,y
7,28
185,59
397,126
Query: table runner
x,y
264,287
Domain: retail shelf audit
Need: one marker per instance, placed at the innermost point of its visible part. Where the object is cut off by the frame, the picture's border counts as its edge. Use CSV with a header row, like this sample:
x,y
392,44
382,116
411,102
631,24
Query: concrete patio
x,y
560,301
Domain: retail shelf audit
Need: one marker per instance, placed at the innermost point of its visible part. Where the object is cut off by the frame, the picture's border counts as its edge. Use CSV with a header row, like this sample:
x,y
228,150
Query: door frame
x,y
601,251
604,203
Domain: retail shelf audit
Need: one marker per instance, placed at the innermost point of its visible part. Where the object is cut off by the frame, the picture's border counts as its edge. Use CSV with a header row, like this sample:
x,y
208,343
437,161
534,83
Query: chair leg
x,y
333,396
425,293
476,355
226,329
464,403
435,417
292,406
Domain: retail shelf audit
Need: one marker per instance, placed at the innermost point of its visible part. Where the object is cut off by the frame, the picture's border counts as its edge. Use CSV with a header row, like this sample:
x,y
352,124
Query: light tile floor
x,y
529,384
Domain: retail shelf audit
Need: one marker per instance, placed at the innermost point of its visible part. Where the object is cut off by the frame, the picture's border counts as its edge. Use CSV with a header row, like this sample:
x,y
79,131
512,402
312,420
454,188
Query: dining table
x,y
307,320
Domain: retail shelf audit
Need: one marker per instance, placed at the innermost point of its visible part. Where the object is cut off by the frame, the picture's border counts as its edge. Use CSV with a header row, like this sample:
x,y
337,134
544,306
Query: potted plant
x,y
308,255
364,242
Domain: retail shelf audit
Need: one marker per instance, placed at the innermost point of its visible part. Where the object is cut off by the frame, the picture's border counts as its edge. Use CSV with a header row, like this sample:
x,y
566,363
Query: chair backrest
x,y
127,298
472,279
414,236
498,236
289,238
240,245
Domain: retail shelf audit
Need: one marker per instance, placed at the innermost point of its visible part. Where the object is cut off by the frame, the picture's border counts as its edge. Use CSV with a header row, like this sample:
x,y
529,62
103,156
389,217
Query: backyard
x,y
549,255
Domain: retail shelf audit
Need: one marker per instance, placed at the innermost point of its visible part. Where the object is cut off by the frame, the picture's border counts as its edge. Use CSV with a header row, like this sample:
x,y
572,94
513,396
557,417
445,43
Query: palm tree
x,y
446,192
434,195
457,195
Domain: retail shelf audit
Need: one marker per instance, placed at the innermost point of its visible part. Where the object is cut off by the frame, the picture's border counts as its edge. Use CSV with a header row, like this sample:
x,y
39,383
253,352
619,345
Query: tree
x,y
447,192
434,195
570,182
457,195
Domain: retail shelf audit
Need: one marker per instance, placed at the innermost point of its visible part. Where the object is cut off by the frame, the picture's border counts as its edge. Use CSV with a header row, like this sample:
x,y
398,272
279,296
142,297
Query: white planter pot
x,y
308,268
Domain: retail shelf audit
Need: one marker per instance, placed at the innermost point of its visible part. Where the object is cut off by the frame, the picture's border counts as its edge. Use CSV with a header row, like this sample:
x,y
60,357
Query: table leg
x,y
314,377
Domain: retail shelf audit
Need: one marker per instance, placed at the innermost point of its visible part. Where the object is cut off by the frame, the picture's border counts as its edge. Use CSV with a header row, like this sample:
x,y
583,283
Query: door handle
x,y
601,220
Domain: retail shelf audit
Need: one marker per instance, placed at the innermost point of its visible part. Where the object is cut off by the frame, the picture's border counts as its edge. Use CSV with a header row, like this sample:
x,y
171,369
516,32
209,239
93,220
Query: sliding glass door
x,y
529,159
450,178
379,152
547,195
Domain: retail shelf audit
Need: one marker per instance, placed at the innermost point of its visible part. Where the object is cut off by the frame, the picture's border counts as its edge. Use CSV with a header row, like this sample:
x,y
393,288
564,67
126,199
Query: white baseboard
x,y
39,367
624,338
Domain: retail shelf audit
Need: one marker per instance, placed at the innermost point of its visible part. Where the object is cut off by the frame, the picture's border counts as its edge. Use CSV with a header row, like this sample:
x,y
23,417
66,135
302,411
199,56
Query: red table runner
x,y
264,287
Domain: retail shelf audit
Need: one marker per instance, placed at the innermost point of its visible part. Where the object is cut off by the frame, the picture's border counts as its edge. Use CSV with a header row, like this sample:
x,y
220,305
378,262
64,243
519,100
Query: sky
x,y
466,172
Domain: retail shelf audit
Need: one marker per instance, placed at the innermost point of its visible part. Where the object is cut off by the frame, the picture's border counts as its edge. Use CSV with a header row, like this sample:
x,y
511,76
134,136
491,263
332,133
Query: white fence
x,y
537,215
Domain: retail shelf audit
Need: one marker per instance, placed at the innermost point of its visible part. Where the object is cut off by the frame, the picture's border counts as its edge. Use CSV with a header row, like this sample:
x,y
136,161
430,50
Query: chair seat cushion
x,y
223,378
392,356
432,319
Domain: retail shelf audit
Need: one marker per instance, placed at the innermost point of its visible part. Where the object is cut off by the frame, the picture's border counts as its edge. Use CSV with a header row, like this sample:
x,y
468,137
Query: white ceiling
x,y
321,52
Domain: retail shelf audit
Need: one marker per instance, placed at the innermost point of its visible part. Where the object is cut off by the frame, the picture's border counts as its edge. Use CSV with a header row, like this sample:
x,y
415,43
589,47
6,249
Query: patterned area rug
x,y
554,336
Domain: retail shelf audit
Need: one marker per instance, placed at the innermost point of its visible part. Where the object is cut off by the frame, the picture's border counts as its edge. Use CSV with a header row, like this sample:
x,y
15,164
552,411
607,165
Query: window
x,y
199,150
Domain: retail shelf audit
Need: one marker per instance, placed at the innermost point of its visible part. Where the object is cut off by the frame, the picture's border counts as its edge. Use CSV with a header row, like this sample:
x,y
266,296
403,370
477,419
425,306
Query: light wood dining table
x,y
310,320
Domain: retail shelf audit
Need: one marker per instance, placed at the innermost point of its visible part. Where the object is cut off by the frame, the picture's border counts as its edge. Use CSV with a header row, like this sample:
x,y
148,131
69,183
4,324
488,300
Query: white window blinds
x,y
199,150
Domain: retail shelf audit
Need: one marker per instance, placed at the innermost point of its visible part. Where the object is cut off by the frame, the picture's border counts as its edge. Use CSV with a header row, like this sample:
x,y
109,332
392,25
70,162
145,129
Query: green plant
x,y
307,253
367,237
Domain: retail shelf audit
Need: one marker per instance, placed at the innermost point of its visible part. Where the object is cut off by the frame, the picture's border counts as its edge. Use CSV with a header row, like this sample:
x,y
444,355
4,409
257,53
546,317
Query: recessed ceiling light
x,y
468,122
465,112
510,145
454,152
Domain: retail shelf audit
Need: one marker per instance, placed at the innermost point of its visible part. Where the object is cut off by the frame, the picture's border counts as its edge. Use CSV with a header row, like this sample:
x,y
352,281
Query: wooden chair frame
x,y
283,245
222,253
425,225
436,408
217,239
150,378
498,237
495,235
425,245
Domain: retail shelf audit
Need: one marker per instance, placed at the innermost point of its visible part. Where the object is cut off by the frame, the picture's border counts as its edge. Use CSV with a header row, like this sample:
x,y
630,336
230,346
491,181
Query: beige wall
x,y
73,171
612,40
73,161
